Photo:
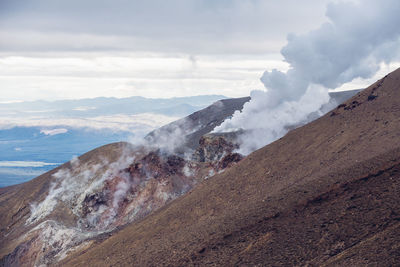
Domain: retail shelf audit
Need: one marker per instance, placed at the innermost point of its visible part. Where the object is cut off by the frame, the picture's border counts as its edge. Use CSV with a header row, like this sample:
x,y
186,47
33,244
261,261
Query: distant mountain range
x,y
106,106
51,133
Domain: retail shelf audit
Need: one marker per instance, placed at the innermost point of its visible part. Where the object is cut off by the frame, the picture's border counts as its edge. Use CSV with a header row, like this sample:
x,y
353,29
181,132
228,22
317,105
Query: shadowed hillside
x,y
326,194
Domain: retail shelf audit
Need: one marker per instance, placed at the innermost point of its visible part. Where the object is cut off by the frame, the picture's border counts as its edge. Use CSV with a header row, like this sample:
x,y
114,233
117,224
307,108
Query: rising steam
x,y
358,37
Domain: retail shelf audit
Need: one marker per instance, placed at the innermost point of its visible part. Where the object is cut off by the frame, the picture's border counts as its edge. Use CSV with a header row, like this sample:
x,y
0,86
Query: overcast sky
x,y
55,49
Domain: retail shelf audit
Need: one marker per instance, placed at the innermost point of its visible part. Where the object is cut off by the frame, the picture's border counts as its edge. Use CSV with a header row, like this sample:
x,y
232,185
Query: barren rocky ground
x,y
325,194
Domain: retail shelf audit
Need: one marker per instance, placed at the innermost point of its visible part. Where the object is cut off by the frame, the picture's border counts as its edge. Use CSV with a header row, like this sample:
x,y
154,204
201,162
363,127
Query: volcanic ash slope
x,y
326,194
70,207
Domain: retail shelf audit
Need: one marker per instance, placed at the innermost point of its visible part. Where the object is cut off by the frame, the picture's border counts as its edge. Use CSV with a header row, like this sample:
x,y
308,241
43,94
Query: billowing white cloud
x,y
359,37
353,44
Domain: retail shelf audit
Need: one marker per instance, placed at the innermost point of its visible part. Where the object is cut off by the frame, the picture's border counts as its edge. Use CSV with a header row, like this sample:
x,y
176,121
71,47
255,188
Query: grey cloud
x,y
158,25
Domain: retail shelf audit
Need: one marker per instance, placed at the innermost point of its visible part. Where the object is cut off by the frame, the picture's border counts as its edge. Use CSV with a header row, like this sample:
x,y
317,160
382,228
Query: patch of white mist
x,y
262,123
55,241
170,138
210,174
70,185
188,170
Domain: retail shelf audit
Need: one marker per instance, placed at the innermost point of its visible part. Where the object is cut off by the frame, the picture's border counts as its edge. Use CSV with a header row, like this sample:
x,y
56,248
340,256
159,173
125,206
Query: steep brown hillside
x,y
91,196
326,194
16,201
94,195
194,126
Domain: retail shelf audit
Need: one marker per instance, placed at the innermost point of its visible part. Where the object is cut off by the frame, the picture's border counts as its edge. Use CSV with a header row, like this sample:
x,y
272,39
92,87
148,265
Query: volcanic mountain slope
x,y
71,207
64,209
16,205
194,126
326,194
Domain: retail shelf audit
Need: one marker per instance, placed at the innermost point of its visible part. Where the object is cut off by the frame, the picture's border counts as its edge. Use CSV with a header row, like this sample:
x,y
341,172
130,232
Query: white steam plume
x,y
358,37
71,185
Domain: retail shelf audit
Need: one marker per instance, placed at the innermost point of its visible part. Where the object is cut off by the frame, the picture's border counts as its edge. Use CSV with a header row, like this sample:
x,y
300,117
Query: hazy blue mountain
x,y
180,106
38,136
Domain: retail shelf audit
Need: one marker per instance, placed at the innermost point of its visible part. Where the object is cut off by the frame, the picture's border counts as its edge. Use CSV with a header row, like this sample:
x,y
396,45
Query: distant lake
x,y
27,152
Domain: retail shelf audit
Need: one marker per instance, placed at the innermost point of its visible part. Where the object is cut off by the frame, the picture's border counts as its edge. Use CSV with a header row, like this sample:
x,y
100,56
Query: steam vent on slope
x,y
325,194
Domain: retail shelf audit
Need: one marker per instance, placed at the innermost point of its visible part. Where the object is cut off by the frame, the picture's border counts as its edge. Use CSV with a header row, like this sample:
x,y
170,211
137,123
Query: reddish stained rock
x,y
229,160
93,201
213,147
